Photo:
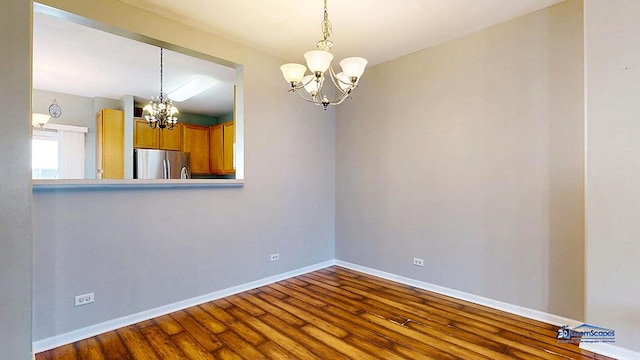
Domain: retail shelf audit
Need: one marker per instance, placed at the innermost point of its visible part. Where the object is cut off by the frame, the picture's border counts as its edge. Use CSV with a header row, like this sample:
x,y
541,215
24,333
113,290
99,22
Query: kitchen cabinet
x,y
229,144
216,148
110,144
222,140
195,141
145,137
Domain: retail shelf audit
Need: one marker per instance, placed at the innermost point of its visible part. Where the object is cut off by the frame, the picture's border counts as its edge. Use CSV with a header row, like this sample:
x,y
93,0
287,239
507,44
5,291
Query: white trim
x,y
513,309
612,351
89,184
82,129
93,330
602,349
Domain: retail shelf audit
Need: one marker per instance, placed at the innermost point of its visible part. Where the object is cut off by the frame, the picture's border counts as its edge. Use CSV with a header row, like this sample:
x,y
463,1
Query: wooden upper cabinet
x,y
221,139
229,144
195,141
110,144
216,147
145,137
171,139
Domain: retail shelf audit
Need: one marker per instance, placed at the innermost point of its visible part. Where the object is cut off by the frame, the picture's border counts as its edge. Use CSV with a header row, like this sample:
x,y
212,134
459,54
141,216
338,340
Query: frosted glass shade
x,y
312,86
318,60
353,66
293,73
343,81
40,120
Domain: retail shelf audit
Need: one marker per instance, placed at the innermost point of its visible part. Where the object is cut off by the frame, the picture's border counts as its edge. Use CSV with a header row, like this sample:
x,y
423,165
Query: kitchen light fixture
x,y
192,88
319,61
40,120
160,112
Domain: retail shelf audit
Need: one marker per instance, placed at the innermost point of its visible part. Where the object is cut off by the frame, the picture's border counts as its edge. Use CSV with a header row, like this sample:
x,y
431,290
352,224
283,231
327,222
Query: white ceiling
x,y
75,59
378,30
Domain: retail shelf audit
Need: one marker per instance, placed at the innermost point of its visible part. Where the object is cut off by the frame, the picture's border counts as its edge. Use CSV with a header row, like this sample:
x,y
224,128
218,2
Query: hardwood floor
x,y
333,313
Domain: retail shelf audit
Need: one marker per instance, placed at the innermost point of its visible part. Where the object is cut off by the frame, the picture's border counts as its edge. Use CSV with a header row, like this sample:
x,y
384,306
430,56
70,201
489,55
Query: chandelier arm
x,y
304,97
335,101
301,86
333,76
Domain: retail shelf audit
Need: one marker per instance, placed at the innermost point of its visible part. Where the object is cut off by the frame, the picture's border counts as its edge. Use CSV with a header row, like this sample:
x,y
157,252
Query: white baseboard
x,y
612,351
93,330
602,349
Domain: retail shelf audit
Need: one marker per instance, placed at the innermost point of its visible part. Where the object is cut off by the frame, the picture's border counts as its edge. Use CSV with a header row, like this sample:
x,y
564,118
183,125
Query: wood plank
x,y
144,324
65,352
299,313
269,307
245,305
273,351
44,355
299,351
190,347
89,349
168,325
240,347
227,354
218,312
293,291
202,336
242,329
318,348
273,292
162,344
345,348
137,345
112,346
205,319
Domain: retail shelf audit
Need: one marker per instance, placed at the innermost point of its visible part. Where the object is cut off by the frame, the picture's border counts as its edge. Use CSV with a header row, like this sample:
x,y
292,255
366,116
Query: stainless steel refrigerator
x,y
160,164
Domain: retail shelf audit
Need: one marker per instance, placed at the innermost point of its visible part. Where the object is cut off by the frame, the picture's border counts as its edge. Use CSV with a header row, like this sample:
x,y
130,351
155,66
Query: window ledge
x,y
94,184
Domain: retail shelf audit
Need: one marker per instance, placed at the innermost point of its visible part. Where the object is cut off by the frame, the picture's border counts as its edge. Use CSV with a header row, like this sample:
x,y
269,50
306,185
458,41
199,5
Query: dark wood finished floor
x,y
333,313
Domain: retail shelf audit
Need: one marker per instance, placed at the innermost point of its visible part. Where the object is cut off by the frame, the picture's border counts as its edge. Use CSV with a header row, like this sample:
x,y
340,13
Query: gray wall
x,y
470,156
613,171
77,111
15,182
139,249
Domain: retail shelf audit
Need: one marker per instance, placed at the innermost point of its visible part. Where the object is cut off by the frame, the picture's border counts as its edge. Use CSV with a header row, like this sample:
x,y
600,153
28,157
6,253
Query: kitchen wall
x,y
143,248
15,185
470,156
77,111
613,173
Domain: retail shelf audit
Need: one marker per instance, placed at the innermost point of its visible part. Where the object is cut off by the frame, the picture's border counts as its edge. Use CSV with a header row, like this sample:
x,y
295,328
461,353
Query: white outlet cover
x,y
84,299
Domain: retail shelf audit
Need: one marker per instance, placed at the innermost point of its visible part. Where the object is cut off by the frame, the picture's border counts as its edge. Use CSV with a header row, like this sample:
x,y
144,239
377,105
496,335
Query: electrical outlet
x,y
275,257
418,262
84,299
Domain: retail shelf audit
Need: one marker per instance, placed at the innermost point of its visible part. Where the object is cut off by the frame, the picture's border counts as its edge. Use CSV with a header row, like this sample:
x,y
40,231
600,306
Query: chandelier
x,y
160,112
319,61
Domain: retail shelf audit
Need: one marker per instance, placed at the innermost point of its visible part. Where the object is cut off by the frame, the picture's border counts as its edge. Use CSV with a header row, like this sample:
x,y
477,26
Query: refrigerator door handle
x,y
164,169
168,169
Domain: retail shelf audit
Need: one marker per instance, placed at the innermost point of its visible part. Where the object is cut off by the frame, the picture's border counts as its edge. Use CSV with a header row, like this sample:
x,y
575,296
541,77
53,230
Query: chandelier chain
x,y
161,71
